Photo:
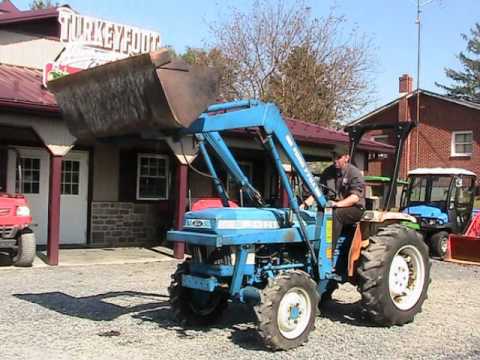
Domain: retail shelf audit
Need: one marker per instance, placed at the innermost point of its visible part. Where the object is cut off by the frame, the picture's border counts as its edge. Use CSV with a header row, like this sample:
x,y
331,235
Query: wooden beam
x,y
181,203
53,242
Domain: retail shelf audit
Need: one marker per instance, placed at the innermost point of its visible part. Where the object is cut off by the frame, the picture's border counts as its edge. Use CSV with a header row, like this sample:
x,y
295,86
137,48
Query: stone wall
x,y
127,224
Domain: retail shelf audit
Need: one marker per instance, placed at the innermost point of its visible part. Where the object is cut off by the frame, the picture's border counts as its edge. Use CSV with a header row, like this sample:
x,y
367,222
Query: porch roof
x,y
21,88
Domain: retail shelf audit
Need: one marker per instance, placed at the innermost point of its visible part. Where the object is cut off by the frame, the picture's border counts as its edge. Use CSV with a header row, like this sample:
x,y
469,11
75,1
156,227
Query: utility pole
x,y
420,5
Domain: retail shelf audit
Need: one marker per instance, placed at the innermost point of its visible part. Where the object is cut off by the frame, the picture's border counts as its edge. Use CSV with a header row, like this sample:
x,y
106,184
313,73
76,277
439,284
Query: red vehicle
x,y
16,237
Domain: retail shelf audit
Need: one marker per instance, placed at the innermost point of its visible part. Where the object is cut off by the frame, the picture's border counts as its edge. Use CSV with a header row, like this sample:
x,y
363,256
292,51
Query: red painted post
x,y
54,209
283,195
182,174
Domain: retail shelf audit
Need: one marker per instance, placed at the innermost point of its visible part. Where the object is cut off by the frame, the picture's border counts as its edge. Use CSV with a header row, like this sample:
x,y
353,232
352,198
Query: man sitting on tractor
x,y
349,197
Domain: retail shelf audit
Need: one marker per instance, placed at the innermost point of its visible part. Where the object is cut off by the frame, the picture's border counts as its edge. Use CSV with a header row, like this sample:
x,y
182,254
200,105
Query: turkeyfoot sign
x,y
106,35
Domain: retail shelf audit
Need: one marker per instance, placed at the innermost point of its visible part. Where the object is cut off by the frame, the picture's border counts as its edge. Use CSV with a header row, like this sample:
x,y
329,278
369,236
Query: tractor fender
x,y
355,249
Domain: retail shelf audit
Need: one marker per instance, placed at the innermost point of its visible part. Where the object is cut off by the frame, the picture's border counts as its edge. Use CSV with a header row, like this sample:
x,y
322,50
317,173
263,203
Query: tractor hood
x,y
426,211
226,220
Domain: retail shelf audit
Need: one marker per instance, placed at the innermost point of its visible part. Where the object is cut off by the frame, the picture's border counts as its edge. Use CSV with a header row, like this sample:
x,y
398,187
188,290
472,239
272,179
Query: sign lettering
x,y
102,34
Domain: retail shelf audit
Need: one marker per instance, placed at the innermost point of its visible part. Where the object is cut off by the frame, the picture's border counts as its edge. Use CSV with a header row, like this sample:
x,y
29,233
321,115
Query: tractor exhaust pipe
x,y
151,91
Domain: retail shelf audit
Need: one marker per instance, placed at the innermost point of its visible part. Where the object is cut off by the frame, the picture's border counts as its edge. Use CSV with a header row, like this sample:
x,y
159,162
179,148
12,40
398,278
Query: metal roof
x,y
6,6
316,134
440,171
468,104
21,87
13,16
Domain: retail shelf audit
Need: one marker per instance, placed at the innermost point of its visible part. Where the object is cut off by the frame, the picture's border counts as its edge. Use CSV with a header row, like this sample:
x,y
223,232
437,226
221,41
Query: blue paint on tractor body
x,y
427,212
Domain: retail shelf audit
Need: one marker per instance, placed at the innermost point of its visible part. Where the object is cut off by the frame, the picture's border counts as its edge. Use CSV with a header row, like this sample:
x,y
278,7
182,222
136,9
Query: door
x,y
34,185
74,198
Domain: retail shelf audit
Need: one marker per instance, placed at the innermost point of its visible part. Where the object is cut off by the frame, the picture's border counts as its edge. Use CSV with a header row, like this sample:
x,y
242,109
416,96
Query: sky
x,y
389,23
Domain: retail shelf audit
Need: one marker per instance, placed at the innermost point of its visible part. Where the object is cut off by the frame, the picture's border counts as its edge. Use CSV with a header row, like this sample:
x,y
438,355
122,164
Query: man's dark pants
x,y
344,216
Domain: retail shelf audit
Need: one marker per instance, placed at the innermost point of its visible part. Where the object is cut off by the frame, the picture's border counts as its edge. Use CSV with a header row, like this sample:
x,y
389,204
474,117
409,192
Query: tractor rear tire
x,y
287,311
194,307
27,248
438,244
394,275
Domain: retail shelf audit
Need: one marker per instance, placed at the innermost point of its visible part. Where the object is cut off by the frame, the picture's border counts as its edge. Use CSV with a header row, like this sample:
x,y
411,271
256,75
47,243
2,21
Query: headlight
x,y
23,211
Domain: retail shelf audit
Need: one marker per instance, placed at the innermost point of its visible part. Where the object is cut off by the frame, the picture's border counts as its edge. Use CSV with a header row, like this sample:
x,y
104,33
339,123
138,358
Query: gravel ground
x,y
121,312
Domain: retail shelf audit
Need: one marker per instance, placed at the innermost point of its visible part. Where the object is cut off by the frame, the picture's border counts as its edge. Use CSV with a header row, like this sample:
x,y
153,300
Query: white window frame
x,y
167,175
453,143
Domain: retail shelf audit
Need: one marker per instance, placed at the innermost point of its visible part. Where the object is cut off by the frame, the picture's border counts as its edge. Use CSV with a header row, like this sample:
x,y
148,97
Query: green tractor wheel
x,y
194,307
394,274
286,313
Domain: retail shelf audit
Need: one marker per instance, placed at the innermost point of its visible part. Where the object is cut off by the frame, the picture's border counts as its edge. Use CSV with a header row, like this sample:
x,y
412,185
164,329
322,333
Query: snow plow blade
x,y
151,91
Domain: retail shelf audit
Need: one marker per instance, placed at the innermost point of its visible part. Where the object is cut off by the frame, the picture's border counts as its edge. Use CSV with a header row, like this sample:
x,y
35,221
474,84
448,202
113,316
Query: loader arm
x,y
254,114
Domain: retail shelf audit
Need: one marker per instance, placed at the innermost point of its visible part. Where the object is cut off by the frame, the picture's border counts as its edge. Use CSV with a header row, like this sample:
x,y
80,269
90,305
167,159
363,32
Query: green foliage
x,y
467,82
42,4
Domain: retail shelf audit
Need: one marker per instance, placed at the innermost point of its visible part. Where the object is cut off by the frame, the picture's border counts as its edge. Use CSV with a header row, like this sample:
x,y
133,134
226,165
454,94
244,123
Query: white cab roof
x,y
440,171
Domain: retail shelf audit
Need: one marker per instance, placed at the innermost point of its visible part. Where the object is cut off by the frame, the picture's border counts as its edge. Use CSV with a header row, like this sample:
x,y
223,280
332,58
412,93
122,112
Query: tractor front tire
x,y
26,251
394,275
194,307
287,311
438,244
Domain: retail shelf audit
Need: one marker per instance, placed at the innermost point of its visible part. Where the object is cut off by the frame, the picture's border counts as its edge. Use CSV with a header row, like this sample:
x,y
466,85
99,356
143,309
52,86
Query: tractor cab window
x,y
418,189
440,190
464,193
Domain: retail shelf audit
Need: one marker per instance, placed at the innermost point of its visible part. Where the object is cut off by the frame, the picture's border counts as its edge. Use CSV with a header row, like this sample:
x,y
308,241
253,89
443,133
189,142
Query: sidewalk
x,y
102,256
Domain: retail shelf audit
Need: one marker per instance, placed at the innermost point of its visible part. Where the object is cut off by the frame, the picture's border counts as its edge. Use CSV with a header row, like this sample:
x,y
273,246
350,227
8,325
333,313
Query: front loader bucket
x,y
151,91
463,249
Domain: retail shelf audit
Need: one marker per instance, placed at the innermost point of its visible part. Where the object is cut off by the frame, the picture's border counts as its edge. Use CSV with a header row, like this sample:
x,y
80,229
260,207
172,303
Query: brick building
x,y
447,134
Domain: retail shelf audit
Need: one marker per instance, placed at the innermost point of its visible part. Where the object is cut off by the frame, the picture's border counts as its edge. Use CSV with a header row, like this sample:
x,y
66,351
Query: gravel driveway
x,y
121,312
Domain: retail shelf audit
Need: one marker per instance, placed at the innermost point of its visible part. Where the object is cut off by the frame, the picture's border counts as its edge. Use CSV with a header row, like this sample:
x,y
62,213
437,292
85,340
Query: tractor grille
x,y
4,211
8,232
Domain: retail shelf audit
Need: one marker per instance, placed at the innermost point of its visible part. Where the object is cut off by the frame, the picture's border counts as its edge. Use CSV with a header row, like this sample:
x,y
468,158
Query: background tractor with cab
x,y
280,261
442,201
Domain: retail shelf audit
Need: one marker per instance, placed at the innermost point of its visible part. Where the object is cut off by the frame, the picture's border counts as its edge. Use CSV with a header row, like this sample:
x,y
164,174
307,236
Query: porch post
x,y
283,197
182,174
54,209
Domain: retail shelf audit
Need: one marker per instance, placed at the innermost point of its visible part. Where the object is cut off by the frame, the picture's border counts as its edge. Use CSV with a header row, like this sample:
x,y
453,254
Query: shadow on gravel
x,y
101,307
5,259
347,313
240,319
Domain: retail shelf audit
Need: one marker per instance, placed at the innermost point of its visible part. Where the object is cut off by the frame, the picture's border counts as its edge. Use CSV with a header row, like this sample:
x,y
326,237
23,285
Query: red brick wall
x,y
438,119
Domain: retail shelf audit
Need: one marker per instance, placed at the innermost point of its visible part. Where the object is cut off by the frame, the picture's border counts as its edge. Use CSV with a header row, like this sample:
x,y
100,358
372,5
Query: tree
x,y
308,66
226,68
467,85
42,4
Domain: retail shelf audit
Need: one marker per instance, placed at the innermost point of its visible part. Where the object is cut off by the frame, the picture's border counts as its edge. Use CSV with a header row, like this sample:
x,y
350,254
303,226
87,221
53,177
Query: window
x,y
440,188
418,189
152,177
462,143
70,177
30,176
381,139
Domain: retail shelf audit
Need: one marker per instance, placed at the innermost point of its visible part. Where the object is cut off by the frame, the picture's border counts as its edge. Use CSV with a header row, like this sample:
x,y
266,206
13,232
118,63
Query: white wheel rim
x,y
406,277
294,312
444,244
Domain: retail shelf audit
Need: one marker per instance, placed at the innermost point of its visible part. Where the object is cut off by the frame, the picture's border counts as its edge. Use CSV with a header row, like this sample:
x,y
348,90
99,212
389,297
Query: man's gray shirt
x,y
345,182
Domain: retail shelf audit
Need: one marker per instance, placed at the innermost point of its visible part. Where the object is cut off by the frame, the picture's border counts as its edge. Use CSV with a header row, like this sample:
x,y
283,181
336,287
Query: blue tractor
x,y
281,261
442,201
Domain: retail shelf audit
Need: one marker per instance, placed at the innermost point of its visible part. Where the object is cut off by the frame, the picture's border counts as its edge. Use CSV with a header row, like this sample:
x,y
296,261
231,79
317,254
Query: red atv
x,y
16,237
